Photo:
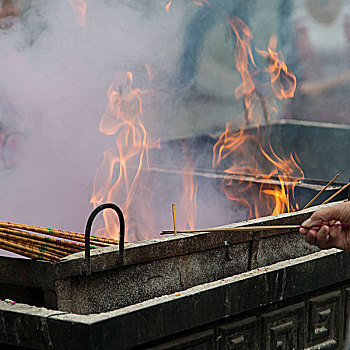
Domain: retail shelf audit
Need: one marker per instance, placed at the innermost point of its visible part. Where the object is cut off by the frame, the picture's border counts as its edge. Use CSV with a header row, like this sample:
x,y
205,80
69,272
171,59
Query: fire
x,y
168,5
283,81
124,177
235,148
201,2
79,7
196,2
123,170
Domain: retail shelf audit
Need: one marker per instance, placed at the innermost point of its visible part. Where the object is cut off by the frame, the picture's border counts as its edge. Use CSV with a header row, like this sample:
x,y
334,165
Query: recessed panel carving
x,y
324,320
198,341
283,328
240,335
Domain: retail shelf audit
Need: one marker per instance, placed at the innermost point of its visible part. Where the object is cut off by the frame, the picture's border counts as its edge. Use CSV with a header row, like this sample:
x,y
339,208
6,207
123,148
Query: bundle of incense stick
x,y
37,242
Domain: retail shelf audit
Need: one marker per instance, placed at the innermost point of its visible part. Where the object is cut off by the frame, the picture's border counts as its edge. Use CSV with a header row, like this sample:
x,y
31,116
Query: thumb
x,y
312,221
326,215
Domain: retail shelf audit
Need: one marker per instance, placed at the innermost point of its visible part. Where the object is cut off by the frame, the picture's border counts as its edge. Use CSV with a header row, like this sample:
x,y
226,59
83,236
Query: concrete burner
x,y
249,290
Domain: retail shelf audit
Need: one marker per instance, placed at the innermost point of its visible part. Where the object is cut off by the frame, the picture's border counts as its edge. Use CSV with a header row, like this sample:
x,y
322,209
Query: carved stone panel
x,y
198,341
240,335
347,313
283,329
324,319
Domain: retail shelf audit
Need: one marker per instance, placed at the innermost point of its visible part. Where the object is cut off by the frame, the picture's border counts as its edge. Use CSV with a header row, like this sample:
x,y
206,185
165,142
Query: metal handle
x,y
88,232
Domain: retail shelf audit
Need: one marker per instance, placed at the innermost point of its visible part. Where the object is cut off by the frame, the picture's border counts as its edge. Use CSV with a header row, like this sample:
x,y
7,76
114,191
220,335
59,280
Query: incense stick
x,y
233,229
42,246
54,242
251,228
18,251
319,193
16,238
174,218
75,236
336,193
41,251
37,253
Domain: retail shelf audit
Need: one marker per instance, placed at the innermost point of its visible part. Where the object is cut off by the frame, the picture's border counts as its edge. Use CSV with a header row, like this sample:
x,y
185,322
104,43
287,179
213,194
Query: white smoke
x,y
54,77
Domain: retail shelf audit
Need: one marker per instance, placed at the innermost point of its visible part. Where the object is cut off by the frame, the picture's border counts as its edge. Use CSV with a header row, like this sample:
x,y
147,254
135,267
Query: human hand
x,y
324,229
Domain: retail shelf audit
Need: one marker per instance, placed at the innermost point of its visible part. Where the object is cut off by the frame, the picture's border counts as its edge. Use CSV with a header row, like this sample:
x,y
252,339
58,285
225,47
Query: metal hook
x,y
88,231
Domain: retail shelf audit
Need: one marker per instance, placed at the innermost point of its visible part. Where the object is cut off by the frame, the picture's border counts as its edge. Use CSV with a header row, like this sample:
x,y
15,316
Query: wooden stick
x,y
174,218
319,193
42,246
239,229
58,243
17,251
40,250
75,236
336,193
37,253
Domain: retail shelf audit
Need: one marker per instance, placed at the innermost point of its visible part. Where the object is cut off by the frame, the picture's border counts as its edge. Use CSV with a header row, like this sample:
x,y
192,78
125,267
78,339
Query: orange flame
x,y
201,2
239,148
122,174
79,7
168,5
283,81
118,178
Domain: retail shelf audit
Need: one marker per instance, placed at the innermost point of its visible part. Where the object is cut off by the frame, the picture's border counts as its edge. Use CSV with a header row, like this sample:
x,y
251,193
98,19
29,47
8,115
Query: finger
x,y
311,237
322,237
335,231
310,240
327,214
310,222
303,231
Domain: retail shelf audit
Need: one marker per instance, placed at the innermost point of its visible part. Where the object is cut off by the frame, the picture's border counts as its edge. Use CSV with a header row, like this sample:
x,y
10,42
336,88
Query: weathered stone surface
x,y
277,290
128,285
153,268
281,247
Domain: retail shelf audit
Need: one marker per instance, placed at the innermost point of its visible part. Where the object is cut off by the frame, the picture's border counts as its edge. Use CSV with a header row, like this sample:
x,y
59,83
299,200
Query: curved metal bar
x,y
88,232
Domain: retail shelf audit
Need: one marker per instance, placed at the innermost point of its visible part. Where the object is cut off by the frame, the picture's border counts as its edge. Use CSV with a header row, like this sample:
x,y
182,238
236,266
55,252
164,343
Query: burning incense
x,y
336,193
75,236
319,193
174,218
